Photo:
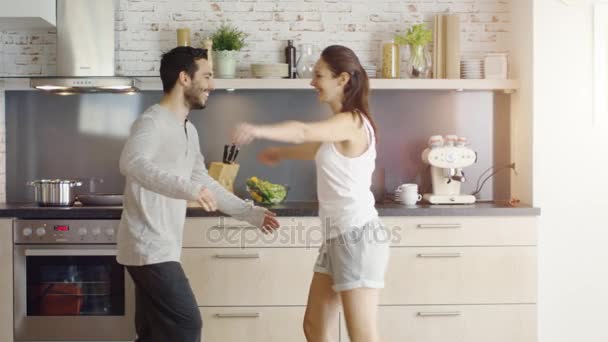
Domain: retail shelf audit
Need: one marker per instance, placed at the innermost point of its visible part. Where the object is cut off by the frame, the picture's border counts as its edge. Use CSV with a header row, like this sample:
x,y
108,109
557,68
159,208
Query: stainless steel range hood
x,y
85,50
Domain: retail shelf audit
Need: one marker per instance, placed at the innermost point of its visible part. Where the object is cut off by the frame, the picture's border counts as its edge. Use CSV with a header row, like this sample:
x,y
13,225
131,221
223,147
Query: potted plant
x,y
227,42
417,37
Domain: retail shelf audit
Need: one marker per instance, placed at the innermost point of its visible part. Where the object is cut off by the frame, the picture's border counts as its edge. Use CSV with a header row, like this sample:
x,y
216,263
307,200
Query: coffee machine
x,y
447,157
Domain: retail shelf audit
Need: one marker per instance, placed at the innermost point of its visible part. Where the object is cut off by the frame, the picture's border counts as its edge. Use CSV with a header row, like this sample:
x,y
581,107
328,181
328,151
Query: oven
x,y
67,283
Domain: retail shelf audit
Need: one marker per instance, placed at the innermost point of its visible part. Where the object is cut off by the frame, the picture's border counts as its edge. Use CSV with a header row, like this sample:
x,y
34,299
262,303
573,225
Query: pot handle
x,y
30,183
75,183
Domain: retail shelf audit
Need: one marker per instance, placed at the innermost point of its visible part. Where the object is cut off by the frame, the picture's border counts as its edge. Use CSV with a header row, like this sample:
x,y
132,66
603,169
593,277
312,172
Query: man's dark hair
x,y
181,58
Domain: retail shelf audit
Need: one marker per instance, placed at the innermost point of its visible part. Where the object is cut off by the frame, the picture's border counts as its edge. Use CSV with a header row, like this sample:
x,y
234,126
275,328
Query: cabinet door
x,y
254,324
252,276
219,232
462,231
460,275
467,323
6,280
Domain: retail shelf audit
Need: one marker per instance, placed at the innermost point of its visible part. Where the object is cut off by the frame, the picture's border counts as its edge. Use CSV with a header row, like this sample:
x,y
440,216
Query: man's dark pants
x,y
165,307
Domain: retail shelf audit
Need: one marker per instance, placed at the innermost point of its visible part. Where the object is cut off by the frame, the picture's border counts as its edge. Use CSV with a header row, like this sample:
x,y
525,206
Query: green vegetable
x,y
270,193
416,35
228,38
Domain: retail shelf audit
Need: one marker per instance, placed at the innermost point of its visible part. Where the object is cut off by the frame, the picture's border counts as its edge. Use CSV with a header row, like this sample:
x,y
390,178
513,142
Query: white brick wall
x,y
144,29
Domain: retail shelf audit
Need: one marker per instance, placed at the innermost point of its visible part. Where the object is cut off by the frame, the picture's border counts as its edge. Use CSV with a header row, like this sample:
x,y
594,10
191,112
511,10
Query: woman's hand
x,y
270,156
244,134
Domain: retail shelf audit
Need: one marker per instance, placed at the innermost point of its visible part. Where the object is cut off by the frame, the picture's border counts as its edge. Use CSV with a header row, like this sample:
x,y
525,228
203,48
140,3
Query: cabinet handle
x,y
234,227
440,226
238,315
439,255
442,313
238,256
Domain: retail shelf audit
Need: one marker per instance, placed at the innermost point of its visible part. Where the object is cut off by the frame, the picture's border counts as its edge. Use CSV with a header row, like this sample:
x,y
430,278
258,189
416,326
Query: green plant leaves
x,y
416,35
228,38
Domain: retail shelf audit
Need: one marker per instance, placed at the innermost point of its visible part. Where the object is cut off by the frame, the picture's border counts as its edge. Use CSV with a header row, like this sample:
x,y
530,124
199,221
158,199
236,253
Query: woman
x,y
352,260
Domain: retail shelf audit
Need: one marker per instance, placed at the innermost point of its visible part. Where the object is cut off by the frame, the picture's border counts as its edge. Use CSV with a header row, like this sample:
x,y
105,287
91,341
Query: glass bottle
x,y
290,59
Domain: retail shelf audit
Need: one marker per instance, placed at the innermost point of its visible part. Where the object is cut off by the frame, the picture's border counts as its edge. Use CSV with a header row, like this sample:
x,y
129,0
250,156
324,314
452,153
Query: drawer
x,y
254,324
470,323
217,232
241,277
460,275
462,231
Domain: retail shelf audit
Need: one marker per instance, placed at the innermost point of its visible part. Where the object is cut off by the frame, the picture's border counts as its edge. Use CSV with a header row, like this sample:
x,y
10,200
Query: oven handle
x,y
69,252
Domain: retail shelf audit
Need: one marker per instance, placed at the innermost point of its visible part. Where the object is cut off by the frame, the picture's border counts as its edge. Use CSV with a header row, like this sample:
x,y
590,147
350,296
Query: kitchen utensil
x,y
236,153
100,199
54,193
225,156
230,154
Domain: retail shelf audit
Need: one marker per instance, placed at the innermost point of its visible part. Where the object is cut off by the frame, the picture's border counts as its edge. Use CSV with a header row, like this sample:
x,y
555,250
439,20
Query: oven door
x,y
72,293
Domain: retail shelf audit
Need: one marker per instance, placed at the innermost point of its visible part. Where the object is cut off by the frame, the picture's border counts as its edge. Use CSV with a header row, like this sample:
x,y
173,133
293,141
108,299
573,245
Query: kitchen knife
x,y
225,158
231,153
236,153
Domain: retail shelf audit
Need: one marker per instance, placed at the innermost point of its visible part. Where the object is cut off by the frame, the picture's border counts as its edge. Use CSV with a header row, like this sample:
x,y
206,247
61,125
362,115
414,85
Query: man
x,y
164,169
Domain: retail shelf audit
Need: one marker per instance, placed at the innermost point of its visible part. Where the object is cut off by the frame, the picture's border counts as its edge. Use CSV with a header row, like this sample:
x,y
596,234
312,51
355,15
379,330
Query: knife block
x,y
225,174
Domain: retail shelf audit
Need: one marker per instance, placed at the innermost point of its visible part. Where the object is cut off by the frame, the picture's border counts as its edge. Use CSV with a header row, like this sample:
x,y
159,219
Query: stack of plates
x,y
370,69
471,68
398,195
271,70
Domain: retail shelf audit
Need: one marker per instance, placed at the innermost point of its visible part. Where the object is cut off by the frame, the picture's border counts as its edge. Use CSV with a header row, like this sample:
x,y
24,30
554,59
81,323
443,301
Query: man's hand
x,y
270,222
207,200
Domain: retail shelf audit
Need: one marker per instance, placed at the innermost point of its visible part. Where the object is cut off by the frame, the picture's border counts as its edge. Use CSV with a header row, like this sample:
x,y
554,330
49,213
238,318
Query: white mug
x,y
411,197
408,187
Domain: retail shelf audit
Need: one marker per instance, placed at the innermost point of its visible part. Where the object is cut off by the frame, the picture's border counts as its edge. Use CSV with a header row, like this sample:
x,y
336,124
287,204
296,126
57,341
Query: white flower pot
x,y
224,63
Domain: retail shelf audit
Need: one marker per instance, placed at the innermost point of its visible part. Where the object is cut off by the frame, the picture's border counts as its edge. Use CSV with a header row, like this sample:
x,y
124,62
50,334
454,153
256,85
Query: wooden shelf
x,y
154,83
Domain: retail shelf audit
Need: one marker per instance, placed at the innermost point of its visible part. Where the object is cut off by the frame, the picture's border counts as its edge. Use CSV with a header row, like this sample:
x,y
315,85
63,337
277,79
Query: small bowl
x,y
255,191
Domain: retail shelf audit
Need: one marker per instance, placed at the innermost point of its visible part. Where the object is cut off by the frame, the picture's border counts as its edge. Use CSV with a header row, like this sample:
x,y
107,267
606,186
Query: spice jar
x,y
390,59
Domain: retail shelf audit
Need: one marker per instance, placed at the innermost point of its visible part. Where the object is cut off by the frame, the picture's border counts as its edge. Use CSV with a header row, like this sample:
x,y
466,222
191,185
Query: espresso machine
x,y
447,157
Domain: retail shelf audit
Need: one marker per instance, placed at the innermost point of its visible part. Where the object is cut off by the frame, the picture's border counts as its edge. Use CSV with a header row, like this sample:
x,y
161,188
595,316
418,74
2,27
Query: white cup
x,y
408,187
411,197
409,194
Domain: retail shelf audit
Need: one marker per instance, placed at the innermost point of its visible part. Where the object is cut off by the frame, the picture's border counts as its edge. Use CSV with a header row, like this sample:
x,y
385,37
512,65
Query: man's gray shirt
x,y
164,169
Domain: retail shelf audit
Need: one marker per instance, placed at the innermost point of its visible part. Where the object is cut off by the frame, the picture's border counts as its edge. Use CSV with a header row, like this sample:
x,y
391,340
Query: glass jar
x,y
306,61
390,59
419,62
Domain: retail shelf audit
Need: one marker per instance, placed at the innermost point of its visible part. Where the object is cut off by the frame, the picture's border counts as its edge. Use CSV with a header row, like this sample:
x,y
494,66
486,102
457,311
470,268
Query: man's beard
x,y
192,96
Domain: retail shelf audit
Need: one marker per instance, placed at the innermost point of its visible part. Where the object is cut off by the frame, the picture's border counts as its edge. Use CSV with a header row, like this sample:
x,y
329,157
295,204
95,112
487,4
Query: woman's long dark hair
x,y
356,92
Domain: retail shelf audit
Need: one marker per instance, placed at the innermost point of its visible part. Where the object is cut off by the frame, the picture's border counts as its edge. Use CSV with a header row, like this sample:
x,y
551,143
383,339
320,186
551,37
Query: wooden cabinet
x,y
462,231
252,276
463,279
268,324
460,275
27,14
6,280
216,232
455,323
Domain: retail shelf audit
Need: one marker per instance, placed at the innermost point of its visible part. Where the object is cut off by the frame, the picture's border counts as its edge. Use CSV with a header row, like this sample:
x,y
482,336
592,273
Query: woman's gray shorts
x,y
357,258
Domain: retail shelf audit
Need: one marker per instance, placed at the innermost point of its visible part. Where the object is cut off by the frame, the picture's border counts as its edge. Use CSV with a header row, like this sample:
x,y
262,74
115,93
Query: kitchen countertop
x,y
32,211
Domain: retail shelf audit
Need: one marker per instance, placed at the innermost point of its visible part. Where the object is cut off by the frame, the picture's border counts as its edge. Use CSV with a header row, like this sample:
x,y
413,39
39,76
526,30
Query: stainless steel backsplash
x,y
81,136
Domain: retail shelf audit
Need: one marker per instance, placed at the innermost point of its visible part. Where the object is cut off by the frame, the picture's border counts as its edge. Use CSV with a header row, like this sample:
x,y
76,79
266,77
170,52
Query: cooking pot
x,y
54,192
